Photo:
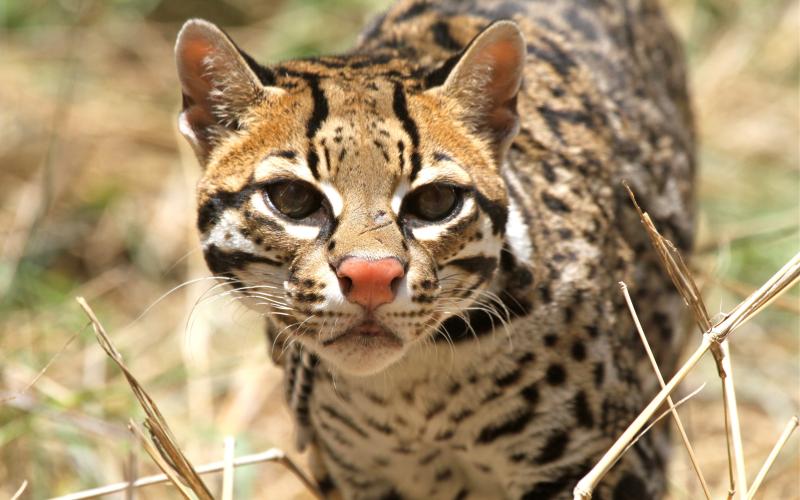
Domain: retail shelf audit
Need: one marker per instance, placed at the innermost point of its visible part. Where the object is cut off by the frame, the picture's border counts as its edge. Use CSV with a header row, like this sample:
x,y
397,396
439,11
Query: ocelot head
x,y
356,200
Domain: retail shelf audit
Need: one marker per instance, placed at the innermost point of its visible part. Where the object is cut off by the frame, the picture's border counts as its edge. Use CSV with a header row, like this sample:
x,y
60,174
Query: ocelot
x,y
435,226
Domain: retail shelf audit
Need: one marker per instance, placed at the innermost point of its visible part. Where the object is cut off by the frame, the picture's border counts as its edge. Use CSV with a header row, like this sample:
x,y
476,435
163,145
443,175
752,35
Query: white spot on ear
x,y
334,198
518,233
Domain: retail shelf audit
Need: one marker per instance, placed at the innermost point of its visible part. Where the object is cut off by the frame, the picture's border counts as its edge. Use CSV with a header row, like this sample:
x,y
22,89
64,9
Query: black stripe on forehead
x,y
400,108
318,115
320,111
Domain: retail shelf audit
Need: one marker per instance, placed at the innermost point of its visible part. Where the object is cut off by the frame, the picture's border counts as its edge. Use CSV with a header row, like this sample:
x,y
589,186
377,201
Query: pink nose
x,y
369,283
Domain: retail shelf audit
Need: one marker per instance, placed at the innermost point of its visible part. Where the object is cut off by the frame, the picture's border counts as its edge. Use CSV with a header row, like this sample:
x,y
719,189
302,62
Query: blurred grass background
x,y
96,199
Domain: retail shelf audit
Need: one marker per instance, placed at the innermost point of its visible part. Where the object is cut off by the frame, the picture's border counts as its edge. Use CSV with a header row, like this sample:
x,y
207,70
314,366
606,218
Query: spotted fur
x,y
514,364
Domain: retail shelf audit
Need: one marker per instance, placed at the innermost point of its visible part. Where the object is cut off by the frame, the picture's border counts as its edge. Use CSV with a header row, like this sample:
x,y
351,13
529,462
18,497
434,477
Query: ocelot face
x,y
357,207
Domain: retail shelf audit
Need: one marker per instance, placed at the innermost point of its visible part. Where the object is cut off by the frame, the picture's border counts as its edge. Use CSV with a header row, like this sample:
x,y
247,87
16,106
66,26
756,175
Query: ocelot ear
x,y
485,80
218,85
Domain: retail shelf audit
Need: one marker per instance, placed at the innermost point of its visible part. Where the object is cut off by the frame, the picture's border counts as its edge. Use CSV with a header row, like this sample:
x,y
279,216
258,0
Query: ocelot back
x,y
435,227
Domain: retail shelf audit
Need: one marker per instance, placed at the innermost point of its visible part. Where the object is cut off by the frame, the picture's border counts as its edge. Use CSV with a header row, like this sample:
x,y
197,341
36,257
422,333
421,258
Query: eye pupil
x,y
433,203
294,199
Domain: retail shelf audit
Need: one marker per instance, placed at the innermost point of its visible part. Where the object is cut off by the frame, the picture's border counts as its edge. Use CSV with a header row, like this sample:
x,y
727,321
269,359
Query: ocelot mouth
x,y
367,334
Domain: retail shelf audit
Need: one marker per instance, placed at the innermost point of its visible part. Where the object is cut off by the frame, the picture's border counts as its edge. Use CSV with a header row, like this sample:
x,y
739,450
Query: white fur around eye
x,y
444,171
397,197
299,231
432,231
275,165
334,198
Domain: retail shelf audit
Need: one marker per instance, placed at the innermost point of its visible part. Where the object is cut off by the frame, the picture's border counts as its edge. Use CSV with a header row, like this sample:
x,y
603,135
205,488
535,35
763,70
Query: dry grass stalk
x,y
791,425
163,441
678,271
585,487
164,451
131,473
227,471
678,423
739,488
20,491
713,336
271,455
166,467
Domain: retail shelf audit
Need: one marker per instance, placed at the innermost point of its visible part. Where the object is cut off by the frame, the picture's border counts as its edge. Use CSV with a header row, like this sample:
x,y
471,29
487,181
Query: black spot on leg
x,y
553,448
530,394
630,487
545,294
509,378
599,374
549,172
555,204
514,425
583,413
578,351
555,375
663,324
443,475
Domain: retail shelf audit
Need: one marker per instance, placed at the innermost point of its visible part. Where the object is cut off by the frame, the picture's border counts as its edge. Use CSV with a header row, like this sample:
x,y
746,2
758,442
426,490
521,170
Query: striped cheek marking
x,y
226,235
299,231
434,231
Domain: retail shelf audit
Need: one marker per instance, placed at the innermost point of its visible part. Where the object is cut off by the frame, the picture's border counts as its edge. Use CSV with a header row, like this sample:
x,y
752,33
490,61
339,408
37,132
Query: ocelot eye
x,y
433,202
294,199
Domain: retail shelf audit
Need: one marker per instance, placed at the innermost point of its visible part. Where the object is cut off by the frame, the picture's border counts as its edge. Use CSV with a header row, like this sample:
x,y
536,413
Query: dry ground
x,y
96,200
